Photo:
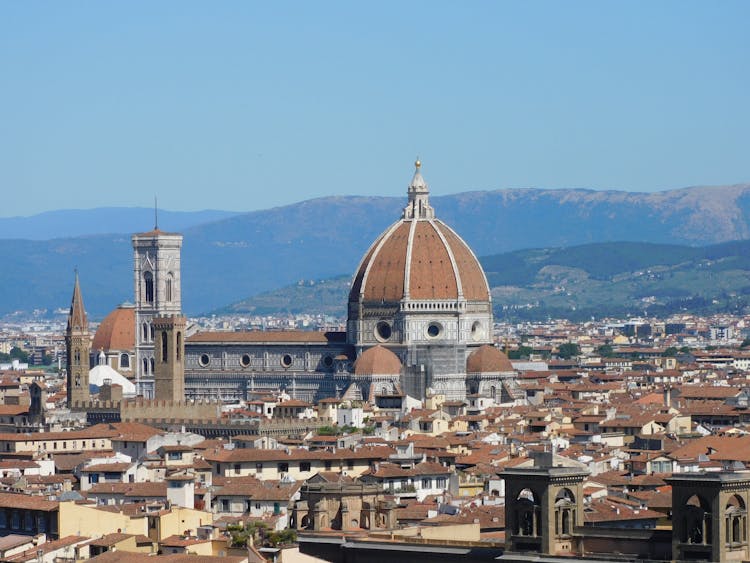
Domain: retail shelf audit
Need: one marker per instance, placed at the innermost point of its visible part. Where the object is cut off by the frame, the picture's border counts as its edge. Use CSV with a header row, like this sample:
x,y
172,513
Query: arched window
x,y
152,333
124,361
565,512
153,365
697,521
145,366
178,351
77,356
528,514
164,346
735,522
170,281
148,282
145,332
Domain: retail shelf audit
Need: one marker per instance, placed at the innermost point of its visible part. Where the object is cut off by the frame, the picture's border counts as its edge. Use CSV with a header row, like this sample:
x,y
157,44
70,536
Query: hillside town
x,y
418,427
624,404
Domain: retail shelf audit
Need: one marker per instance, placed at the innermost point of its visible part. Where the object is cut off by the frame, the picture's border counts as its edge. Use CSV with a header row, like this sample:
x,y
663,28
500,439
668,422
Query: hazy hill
x,y
225,260
103,220
601,279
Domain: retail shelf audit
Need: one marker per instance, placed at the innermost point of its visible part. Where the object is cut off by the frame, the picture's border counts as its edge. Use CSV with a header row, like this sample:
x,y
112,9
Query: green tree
x,y
521,352
568,350
605,351
670,352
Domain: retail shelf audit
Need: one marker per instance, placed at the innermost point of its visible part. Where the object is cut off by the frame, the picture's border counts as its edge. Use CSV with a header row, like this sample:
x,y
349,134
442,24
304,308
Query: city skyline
x,y
260,106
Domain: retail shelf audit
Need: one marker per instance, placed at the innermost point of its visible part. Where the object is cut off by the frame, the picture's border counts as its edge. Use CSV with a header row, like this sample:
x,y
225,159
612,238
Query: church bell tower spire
x,y
78,348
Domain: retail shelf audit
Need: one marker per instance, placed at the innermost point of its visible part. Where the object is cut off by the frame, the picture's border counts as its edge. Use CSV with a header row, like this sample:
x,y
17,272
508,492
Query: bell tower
x,y
78,347
709,516
156,258
544,506
169,372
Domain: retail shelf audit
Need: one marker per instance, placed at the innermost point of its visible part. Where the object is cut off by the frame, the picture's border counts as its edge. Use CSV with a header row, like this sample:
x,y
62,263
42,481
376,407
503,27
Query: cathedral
x,y
419,322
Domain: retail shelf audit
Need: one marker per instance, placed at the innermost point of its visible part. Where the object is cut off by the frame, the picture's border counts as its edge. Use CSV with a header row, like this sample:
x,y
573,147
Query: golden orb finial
x,y
417,163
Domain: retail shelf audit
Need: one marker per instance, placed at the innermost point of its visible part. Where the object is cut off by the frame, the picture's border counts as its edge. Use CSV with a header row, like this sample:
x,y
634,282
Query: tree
x,y
568,350
520,353
745,343
671,352
606,351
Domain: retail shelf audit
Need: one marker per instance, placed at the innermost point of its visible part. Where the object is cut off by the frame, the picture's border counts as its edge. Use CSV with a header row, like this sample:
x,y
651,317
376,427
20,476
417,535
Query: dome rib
x,y
388,261
456,272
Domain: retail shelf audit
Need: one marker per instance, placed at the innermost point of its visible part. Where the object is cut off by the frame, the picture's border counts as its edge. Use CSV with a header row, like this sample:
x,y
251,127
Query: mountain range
x,y
229,256
614,279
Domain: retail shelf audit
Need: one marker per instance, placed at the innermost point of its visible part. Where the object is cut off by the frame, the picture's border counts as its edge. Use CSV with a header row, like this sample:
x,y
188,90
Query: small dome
x,y
377,361
487,359
117,331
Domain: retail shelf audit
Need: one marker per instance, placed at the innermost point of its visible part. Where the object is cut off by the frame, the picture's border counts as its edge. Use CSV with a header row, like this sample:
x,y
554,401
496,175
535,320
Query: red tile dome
x,y
377,361
117,330
487,359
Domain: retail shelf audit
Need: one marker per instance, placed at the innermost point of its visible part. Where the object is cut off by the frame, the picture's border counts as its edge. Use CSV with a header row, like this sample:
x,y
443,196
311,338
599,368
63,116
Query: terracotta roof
x,y
117,331
28,502
440,263
377,360
487,359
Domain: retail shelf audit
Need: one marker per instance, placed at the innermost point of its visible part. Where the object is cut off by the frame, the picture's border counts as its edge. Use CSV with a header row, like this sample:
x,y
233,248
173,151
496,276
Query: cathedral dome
x,y
487,359
117,330
419,258
377,361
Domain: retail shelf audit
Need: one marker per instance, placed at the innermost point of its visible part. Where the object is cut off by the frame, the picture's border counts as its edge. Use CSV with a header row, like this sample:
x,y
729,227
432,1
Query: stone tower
x,y
709,516
78,346
544,506
169,372
157,292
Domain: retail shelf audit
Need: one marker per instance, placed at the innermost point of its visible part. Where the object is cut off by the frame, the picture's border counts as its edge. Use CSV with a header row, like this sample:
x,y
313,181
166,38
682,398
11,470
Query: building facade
x,y
419,292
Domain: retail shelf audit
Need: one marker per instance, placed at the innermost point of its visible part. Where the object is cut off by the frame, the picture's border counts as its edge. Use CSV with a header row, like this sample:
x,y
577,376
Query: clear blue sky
x,y
248,105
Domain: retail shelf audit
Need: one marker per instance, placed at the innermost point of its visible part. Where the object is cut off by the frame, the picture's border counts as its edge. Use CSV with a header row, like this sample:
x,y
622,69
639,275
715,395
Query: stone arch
x,y
565,512
169,286
164,344
528,514
735,521
148,287
697,515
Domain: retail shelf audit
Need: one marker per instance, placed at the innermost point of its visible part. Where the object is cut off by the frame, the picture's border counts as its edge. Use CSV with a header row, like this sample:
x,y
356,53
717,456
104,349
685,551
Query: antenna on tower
x,y
156,215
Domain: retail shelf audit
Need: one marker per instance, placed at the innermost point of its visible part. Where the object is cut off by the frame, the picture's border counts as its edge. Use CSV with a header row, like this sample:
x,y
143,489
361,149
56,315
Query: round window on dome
x,y
328,361
245,360
204,360
383,331
477,333
434,330
286,360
